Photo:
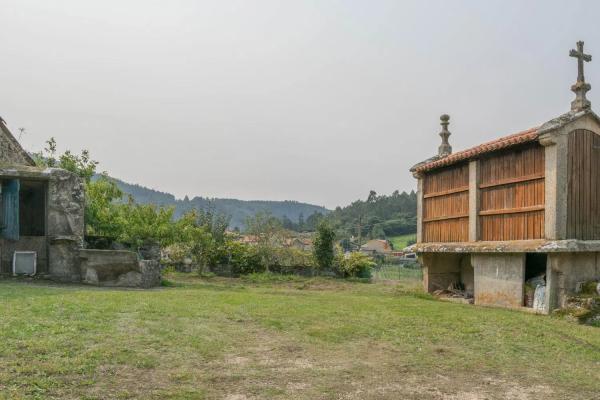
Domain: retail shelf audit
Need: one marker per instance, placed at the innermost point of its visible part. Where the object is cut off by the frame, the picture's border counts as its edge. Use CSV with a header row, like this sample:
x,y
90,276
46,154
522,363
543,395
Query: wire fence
x,y
390,272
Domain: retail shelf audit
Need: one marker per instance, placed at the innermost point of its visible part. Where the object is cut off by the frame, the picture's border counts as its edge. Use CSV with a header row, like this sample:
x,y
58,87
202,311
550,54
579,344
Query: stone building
x,y
42,226
521,208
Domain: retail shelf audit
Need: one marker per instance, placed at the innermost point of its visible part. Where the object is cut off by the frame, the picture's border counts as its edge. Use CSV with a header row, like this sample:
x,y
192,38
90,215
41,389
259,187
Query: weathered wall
x,y
117,268
583,197
101,266
440,270
65,224
11,152
66,201
25,243
467,275
566,270
499,279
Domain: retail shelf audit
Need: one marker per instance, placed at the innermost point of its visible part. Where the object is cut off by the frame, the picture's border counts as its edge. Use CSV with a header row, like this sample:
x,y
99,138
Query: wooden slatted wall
x,y
512,194
583,196
446,205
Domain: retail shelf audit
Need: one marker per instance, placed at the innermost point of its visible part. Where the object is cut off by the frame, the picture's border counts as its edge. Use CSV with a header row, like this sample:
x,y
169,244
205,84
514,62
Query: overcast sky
x,y
317,101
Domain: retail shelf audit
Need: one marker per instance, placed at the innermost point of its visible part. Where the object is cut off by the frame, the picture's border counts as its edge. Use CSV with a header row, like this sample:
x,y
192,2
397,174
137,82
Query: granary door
x,y
10,209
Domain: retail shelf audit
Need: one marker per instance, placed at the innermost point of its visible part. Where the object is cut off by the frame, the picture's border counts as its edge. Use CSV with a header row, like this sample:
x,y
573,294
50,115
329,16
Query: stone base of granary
x,y
498,279
118,268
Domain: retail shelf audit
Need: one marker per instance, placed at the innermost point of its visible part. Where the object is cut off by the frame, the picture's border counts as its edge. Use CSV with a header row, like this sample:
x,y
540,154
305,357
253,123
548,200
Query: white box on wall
x,y
24,262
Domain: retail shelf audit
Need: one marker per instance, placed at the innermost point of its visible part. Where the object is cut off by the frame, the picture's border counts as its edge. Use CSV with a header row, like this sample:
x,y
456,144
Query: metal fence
x,y
391,272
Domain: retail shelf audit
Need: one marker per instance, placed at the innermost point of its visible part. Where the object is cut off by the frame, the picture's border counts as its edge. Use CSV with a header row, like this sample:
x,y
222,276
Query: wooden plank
x,y
512,210
446,192
443,218
508,181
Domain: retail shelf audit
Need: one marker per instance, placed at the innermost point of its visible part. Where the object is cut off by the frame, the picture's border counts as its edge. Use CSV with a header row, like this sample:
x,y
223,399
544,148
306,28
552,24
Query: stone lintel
x,y
515,246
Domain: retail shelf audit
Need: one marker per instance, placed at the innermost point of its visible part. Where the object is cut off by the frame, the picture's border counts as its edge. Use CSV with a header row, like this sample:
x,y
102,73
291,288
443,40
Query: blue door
x,y
10,209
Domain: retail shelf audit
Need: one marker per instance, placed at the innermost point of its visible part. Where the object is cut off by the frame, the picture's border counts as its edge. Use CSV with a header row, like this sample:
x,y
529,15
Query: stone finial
x,y
580,88
445,148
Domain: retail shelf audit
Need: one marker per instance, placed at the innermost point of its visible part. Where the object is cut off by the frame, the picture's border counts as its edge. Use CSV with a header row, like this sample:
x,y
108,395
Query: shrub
x,y
243,258
356,264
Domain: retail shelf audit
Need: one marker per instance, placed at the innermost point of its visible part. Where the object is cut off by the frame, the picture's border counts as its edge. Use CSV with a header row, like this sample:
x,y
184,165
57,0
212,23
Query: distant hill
x,y
238,210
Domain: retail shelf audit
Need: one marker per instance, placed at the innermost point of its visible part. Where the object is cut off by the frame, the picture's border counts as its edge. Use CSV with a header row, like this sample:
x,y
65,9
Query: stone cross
x,y
580,88
581,57
445,148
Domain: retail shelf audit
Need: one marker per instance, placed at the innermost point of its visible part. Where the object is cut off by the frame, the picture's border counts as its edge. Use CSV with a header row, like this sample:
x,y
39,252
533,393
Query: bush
x,y
356,265
243,258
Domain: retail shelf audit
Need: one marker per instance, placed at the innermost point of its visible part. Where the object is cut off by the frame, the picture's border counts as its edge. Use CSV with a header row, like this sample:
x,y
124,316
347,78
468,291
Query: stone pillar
x,y
474,201
556,181
420,209
65,226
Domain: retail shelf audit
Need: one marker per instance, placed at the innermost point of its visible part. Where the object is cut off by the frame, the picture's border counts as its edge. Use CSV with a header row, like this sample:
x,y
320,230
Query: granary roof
x,y
526,136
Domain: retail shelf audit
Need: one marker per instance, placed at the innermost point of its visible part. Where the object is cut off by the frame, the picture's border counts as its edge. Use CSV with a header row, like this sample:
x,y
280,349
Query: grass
x,y
292,338
401,241
396,273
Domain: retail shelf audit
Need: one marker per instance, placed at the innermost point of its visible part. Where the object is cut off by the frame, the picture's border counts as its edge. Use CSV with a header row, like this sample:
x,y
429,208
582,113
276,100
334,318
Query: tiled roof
x,y
501,143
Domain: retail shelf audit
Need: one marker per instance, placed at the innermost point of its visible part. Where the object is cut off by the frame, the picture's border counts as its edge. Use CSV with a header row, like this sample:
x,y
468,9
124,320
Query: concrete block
x,y
499,279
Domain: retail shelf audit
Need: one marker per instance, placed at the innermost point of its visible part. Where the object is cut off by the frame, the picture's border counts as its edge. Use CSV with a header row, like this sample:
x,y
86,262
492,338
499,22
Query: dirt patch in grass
x,y
228,339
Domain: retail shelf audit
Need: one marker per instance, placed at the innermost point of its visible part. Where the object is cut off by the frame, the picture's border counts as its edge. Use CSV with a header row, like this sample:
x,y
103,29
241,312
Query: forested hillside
x,y
238,210
377,216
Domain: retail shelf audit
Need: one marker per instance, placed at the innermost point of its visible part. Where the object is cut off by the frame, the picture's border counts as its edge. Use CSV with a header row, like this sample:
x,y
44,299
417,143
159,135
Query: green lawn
x,y
292,339
400,242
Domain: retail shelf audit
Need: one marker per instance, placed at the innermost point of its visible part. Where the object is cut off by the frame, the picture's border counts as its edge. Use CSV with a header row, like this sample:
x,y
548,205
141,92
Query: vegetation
x,y
402,241
378,217
356,265
237,210
323,246
282,337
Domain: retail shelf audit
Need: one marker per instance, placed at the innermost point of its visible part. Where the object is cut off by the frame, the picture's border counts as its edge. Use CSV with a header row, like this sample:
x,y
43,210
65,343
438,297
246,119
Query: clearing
x,y
401,241
284,338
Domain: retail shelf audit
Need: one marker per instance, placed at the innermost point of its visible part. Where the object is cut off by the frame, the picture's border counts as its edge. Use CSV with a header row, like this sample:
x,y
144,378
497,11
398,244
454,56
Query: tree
x,y
269,235
323,245
301,222
82,164
372,196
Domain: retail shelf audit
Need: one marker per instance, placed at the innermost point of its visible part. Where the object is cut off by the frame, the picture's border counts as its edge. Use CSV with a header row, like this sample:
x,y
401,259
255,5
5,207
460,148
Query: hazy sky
x,y
316,101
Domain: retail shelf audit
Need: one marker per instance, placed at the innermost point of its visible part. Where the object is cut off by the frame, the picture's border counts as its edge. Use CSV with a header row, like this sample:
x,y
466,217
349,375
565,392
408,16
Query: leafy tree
x,y
81,164
323,245
269,235
101,209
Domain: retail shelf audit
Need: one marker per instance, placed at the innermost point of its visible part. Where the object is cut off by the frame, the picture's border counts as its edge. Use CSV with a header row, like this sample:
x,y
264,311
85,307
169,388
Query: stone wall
x,y
25,243
117,268
11,152
65,224
565,271
440,270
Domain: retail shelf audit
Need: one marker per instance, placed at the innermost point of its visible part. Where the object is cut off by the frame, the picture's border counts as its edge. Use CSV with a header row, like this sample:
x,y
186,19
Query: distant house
x,y
299,243
249,239
376,246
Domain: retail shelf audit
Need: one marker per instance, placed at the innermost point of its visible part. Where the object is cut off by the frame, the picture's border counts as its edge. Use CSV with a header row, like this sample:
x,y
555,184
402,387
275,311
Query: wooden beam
x,y
446,217
512,180
511,210
447,192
